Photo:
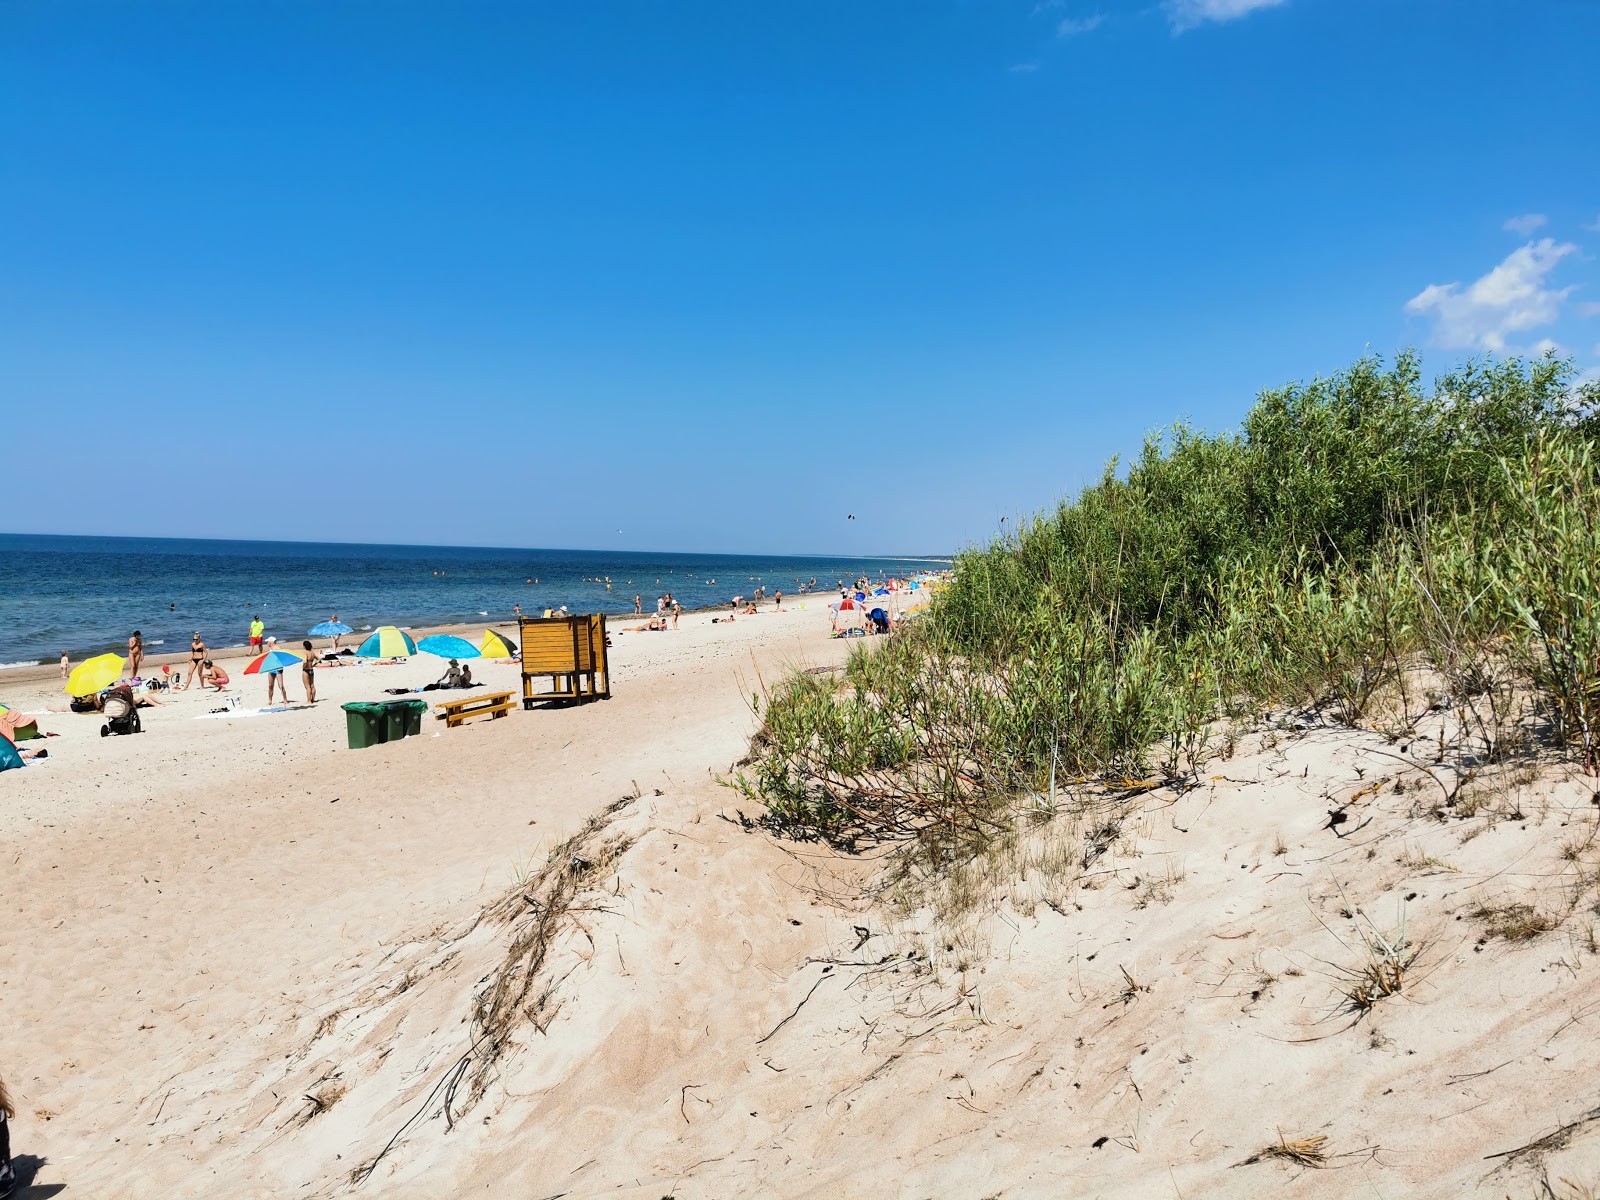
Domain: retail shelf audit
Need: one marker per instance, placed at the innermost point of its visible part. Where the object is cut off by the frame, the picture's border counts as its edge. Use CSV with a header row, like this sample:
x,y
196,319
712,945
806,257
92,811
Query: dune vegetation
x,y
1363,548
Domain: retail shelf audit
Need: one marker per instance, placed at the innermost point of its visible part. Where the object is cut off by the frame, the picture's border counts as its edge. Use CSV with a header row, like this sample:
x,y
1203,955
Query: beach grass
x,y
1359,535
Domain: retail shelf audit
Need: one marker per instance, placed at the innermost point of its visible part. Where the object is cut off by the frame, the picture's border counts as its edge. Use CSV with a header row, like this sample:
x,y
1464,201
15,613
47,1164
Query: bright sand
x,y
236,959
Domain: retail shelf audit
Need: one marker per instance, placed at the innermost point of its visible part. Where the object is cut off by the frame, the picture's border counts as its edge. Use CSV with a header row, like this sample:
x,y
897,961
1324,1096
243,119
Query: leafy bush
x,y
1351,523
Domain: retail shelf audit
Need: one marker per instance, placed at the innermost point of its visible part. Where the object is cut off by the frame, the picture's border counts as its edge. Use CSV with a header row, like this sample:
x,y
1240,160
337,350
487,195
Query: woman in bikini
x,y
135,654
197,655
308,671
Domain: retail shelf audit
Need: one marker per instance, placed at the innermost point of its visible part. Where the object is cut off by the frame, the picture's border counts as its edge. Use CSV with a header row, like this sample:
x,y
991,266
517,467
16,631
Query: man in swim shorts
x,y
256,630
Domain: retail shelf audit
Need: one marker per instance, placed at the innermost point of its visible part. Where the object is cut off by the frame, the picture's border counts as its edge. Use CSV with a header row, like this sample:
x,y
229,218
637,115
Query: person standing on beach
x,y
66,665
256,630
136,653
275,679
197,655
308,669
638,606
335,620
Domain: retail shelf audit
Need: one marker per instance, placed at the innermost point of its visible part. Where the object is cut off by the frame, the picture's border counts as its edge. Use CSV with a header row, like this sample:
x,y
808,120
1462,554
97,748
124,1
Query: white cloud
x,y
1547,346
1187,14
1510,299
1525,224
1594,225
1073,26
1590,308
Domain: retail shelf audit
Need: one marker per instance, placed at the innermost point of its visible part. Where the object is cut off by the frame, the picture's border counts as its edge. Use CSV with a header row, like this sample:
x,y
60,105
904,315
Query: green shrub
x,y
1352,524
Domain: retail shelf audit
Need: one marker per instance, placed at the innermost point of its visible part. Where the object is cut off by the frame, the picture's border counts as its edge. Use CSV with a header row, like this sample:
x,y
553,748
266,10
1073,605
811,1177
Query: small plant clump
x,y
1517,922
1382,973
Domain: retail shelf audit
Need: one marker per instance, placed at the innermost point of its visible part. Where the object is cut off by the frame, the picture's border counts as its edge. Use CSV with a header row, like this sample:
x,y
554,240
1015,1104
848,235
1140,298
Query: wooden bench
x,y
490,704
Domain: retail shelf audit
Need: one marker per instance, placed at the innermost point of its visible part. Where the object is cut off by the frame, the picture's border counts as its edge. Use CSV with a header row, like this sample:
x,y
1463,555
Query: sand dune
x,y
1149,995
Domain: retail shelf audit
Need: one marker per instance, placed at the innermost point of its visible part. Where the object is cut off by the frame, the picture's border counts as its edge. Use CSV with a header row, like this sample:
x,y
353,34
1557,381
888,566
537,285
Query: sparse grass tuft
x,y
1307,1151
1516,922
1382,973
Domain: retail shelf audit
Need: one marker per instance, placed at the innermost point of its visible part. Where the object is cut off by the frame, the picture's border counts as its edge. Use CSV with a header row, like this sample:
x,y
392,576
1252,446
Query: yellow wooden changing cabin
x,y
570,651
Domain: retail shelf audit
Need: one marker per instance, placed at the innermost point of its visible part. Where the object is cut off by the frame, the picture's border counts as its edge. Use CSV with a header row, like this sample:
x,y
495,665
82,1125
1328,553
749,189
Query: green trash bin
x,y
403,718
365,723
394,720
414,713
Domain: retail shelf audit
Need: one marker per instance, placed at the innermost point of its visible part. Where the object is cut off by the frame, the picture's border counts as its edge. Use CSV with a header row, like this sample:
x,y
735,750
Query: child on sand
x,y
66,665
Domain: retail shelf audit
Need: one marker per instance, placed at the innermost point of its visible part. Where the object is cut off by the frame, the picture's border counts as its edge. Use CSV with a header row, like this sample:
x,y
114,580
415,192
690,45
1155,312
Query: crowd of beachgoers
x,y
117,687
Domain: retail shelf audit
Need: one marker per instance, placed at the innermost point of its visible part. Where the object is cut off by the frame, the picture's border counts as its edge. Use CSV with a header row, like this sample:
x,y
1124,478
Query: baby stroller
x,y
121,712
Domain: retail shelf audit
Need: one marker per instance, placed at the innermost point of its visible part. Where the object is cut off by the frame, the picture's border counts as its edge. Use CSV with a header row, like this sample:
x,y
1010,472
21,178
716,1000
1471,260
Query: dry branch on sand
x,y
516,995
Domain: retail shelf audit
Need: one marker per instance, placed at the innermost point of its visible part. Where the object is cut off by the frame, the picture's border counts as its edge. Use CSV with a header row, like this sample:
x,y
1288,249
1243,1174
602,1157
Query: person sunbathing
x,y
97,702
456,677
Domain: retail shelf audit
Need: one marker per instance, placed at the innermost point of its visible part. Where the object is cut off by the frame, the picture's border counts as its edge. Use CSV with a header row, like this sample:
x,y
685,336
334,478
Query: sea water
x,y
86,595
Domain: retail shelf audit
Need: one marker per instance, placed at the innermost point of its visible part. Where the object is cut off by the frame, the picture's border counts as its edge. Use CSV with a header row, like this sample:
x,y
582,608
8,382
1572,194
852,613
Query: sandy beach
x,y
246,962
176,900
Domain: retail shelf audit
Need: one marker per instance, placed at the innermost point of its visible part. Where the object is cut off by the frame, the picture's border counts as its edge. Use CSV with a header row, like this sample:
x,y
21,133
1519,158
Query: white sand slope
x,y
1136,1000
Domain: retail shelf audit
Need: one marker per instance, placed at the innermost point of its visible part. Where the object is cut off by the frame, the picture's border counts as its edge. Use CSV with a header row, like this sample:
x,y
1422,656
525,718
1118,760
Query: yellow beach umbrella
x,y
89,677
496,645
387,642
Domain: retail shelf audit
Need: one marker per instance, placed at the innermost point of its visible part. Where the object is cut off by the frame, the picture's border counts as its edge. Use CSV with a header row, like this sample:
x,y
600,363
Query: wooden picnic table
x,y
489,704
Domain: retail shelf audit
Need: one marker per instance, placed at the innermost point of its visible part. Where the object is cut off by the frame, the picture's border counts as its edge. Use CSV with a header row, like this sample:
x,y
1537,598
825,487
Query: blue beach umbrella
x,y
387,642
329,629
446,646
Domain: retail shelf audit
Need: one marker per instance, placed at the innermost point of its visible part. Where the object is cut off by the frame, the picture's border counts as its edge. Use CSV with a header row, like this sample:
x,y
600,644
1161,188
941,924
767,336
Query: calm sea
x,y
85,595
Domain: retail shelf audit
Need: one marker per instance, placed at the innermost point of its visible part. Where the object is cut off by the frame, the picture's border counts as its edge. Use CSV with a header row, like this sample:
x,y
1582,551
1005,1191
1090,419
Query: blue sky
x,y
709,276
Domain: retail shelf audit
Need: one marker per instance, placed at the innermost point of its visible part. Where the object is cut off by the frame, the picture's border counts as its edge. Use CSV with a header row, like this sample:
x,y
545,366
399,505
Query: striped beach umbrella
x,y
496,645
272,662
445,646
387,642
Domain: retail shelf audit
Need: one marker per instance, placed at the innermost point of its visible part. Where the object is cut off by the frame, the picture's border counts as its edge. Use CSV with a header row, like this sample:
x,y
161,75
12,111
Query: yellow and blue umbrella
x,y
272,662
446,646
496,645
387,642
95,674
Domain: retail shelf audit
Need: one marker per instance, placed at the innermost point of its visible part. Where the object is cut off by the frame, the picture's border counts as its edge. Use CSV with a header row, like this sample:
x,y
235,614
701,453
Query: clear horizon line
x,y
473,546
